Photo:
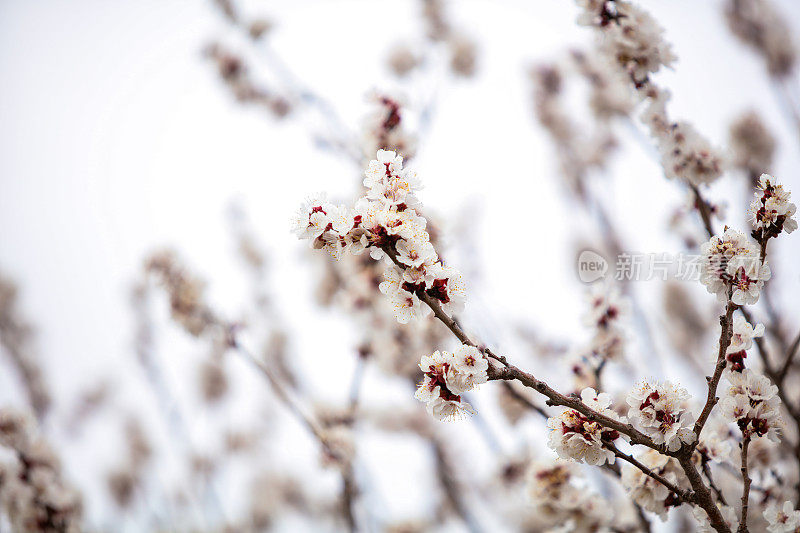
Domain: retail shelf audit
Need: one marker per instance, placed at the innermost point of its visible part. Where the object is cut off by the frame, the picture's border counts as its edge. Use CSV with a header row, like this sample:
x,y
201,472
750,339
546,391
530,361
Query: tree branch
x,y
787,363
685,496
746,484
703,496
726,322
704,208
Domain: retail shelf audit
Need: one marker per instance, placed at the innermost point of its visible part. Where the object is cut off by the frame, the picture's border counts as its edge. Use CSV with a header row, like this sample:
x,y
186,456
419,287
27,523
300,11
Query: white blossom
x,y
446,377
384,222
741,341
704,525
469,369
732,263
771,210
628,34
574,436
715,441
389,183
406,305
559,500
688,156
783,519
752,402
660,410
416,253
650,494
448,287
743,334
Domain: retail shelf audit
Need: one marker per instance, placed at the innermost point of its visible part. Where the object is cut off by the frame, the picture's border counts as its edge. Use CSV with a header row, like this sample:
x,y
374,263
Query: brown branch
x,y
685,496
746,483
703,496
789,358
510,372
726,323
707,471
704,208
349,494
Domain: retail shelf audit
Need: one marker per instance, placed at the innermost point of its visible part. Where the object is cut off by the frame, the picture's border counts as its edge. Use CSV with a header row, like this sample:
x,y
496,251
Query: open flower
x,y
646,491
741,341
574,436
389,183
660,410
469,369
771,210
783,519
731,263
384,222
443,383
752,402
405,304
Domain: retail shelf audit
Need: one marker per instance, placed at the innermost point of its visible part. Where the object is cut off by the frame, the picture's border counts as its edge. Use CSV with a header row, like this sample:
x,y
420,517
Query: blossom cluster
x,y
384,127
784,519
732,268
449,375
559,501
631,35
752,402
741,341
607,308
728,515
384,221
771,210
574,436
685,154
646,491
605,316
660,411
33,493
635,41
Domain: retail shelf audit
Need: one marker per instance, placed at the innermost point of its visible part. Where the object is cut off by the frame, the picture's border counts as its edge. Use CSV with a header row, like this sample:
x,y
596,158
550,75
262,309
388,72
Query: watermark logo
x,y
591,266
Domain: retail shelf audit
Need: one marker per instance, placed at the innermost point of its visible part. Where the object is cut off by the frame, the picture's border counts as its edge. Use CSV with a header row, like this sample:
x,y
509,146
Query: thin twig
x,y
703,496
704,208
726,323
789,357
707,471
746,484
510,372
683,495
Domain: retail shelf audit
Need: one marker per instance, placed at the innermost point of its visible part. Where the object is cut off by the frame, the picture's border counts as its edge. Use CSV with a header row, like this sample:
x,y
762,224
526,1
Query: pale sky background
x,y
116,137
